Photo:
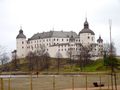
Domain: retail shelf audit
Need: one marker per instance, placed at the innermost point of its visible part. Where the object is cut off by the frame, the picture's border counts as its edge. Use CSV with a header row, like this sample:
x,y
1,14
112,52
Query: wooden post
x,y
108,82
53,82
86,81
9,84
2,88
112,81
31,88
100,82
72,82
115,78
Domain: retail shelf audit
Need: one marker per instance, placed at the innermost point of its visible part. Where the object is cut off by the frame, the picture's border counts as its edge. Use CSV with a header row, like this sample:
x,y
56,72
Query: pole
x,y
53,82
100,82
112,70
115,81
9,84
31,88
112,81
72,82
86,81
2,88
108,83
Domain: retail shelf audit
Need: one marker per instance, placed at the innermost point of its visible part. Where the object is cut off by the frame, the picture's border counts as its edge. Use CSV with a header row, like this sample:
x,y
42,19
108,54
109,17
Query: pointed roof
x,y
86,28
99,40
20,35
86,25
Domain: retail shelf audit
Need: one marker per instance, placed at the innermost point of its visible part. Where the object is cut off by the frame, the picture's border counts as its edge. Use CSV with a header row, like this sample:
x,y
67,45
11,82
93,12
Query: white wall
x,y
21,47
85,40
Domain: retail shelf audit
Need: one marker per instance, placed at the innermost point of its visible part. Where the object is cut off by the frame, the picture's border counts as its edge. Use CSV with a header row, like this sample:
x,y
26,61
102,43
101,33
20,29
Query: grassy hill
x,y
94,66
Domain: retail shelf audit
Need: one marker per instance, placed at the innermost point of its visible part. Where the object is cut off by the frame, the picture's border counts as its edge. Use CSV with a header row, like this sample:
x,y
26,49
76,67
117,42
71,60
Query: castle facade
x,y
60,44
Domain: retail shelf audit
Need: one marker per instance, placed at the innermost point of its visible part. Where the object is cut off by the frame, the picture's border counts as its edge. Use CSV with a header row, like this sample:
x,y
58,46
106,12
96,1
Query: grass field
x,y
46,82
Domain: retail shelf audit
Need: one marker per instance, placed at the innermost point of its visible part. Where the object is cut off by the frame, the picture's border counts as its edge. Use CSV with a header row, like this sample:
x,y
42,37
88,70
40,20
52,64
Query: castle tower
x,y
86,35
100,46
21,44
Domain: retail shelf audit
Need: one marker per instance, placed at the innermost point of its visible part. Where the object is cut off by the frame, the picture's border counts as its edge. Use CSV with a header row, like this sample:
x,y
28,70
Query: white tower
x,y
100,46
86,35
21,44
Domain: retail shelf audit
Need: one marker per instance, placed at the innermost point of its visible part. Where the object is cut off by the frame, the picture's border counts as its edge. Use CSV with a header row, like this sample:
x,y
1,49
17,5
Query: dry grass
x,y
62,82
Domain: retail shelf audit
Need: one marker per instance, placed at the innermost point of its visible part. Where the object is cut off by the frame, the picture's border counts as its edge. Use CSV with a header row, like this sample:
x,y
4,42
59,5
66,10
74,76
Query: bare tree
x,y
47,61
15,60
4,58
109,48
84,55
70,54
30,59
59,56
111,61
2,53
38,60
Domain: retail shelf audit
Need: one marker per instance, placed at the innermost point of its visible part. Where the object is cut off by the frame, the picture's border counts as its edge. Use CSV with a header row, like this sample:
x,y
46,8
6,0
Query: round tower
x,y
87,36
21,44
100,46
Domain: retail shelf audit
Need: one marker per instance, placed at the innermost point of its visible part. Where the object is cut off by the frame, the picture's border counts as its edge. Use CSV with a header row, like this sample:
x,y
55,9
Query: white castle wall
x,y
87,38
21,47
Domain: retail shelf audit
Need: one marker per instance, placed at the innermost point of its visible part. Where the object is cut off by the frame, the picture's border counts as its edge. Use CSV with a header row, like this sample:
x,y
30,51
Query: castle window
x,y
22,47
22,42
67,40
62,39
88,37
54,39
92,38
57,39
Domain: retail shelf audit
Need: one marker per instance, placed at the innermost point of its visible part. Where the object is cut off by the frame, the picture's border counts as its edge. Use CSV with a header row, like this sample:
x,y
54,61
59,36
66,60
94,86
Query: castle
x,y
59,43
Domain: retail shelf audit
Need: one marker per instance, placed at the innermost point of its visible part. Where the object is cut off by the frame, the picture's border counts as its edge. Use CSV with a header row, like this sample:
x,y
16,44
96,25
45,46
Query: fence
x,y
56,82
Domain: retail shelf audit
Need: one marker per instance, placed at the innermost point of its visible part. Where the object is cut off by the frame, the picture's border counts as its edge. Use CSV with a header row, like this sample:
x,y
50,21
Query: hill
x,y
64,66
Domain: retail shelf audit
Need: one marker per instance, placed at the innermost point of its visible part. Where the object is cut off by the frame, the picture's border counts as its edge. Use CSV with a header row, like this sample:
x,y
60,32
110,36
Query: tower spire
x,y
86,25
20,27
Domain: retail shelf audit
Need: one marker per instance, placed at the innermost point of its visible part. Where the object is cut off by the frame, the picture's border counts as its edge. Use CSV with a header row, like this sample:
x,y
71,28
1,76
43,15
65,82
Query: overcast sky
x,y
44,15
